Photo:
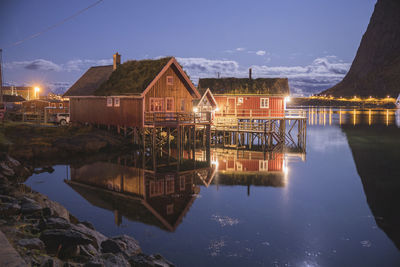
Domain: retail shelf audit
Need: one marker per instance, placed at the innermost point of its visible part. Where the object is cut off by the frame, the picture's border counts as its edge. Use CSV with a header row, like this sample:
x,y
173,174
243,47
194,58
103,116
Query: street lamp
x,y
37,90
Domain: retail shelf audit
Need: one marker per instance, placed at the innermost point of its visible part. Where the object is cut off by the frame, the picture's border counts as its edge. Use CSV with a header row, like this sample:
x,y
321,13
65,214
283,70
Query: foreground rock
x,y
45,234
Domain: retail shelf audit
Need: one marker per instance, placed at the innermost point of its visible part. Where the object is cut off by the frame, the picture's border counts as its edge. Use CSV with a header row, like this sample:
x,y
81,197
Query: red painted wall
x,y
251,106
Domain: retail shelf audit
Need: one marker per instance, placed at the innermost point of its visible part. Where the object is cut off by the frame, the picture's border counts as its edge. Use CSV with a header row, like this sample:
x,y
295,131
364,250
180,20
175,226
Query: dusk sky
x,y
312,42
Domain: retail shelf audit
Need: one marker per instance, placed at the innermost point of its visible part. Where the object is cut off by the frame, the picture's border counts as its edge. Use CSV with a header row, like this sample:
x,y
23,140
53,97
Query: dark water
x,y
335,205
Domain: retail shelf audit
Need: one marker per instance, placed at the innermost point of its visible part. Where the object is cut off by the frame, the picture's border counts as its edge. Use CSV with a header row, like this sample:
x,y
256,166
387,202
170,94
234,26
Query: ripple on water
x,y
225,220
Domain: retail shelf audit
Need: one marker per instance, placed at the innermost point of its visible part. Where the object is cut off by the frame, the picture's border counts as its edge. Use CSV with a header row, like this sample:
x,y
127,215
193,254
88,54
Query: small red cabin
x,y
131,94
244,98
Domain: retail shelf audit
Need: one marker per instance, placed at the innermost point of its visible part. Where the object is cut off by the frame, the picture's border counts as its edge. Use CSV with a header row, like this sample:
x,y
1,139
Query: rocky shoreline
x,y
44,233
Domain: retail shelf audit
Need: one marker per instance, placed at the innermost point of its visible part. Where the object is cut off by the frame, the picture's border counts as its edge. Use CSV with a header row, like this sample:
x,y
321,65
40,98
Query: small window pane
x,y
116,102
109,101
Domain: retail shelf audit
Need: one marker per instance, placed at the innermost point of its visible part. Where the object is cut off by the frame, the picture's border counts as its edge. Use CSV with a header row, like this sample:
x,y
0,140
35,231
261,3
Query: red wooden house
x,y
245,98
131,94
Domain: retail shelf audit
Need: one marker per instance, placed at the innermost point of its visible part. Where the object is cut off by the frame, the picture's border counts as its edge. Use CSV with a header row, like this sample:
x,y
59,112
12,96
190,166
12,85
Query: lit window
x,y
240,100
109,101
116,102
156,104
263,165
169,104
170,80
264,102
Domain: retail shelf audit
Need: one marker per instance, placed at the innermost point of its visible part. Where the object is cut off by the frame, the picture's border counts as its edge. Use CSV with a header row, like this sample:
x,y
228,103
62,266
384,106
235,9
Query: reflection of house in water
x,y
238,167
159,198
376,155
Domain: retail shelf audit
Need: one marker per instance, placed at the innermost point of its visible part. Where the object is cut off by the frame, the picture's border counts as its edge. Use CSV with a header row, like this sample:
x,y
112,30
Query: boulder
x,y
5,170
13,162
9,209
64,238
30,206
51,262
5,198
54,223
56,208
121,244
112,260
34,243
96,237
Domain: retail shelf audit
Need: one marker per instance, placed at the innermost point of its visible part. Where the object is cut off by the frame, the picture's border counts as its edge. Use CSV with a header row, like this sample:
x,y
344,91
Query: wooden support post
x,y
178,143
153,149
208,144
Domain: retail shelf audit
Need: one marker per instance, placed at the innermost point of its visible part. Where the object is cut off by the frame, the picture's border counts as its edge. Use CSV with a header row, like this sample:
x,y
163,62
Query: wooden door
x,y
231,106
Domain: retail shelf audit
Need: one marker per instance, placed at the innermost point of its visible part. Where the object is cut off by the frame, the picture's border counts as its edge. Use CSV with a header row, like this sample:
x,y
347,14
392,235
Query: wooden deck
x,y
171,119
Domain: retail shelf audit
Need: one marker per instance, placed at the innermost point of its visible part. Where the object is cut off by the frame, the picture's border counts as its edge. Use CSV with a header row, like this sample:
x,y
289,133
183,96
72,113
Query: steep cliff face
x,y
376,68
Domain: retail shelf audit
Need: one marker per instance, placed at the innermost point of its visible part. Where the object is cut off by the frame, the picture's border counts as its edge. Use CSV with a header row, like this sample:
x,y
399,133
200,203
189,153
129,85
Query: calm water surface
x,y
337,204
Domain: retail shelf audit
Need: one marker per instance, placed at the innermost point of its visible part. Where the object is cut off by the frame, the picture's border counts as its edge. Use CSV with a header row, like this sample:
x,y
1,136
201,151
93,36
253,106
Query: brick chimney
x,y
117,60
250,73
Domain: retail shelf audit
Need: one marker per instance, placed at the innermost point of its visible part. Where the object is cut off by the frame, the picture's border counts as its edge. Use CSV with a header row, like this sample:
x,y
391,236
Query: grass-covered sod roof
x,y
271,86
132,77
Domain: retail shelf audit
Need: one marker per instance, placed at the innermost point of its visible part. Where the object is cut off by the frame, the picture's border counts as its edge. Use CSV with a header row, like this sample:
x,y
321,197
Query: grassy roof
x,y
132,77
244,85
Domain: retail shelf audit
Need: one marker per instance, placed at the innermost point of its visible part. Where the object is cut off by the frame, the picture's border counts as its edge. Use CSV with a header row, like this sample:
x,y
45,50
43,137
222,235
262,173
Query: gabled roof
x,y
134,77
90,81
207,94
270,86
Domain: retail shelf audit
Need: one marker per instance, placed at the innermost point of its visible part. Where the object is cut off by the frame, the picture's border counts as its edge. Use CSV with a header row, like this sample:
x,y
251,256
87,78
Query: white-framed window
x,y
109,102
156,104
240,100
116,102
60,105
263,165
170,80
169,104
264,102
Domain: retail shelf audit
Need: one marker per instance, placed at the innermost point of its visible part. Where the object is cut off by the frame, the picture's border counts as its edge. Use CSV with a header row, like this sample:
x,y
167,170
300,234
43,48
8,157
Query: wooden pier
x,y
260,132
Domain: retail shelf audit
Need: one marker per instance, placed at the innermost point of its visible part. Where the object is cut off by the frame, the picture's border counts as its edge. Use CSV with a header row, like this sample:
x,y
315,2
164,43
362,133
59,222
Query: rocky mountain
x,y
376,68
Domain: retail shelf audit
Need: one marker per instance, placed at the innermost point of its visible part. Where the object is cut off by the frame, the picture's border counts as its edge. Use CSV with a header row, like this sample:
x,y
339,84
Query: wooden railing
x,y
267,113
176,117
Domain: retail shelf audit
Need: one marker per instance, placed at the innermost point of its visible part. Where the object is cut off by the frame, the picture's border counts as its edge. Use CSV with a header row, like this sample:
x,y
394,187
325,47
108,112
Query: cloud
x,y
240,49
321,74
260,53
46,65
37,64
83,64
202,67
